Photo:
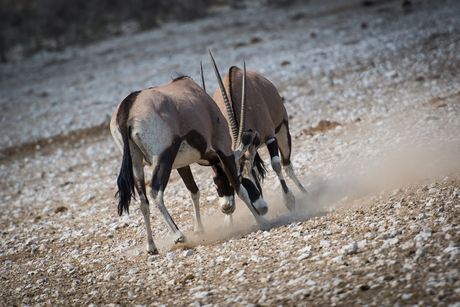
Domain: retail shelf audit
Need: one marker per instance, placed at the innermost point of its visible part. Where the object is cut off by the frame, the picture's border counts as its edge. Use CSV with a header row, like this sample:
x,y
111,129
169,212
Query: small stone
x,y
202,294
133,271
419,253
254,258
188,253
226,272
303,293
310,282
108,277
170,256
240,274
407,296
337,282
303,256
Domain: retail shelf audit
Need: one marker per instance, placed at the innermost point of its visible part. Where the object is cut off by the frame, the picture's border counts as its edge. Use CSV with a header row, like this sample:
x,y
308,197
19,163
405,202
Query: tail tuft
x,y
260,165
125,181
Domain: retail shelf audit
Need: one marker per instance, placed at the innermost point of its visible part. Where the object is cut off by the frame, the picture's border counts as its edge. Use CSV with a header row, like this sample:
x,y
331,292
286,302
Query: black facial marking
x,y
222,183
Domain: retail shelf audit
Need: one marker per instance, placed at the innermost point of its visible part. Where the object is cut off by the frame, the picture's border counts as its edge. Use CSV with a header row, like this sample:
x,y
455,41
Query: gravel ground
x,y
373,94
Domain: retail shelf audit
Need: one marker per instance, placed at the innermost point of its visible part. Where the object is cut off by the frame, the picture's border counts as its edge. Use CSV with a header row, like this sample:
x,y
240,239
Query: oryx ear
x,y
246,139
257,141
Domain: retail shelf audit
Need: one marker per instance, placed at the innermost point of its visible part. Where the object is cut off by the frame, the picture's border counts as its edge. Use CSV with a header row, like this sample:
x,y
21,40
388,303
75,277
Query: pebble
x,y
133,271
303,256
188,253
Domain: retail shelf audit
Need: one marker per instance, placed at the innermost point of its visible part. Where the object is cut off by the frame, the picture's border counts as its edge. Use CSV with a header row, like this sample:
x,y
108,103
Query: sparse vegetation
x,y
28,26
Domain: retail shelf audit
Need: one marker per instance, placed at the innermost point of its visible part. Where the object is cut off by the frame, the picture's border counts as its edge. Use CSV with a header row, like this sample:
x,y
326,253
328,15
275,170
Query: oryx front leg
x,y
256,203
226,193
187,176
288,197
261,221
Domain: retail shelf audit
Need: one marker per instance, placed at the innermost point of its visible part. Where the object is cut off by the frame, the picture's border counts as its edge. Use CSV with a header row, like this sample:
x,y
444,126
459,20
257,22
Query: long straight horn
x,y
228,107
243,104
202,77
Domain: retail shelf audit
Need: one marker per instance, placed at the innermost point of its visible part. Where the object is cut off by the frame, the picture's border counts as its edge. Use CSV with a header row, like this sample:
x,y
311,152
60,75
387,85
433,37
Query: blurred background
x,y
29,26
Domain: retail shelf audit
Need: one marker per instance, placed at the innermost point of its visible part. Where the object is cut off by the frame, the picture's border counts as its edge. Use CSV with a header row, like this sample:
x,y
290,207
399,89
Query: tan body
x,y
265,116
171,127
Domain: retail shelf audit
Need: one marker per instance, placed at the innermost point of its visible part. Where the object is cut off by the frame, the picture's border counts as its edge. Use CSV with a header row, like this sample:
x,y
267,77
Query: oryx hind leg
x,y
284,141
160,177
138,171
187,177
288,197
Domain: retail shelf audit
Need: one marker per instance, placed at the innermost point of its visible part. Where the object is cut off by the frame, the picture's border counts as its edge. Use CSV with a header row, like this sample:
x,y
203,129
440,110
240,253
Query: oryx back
x,y
156,121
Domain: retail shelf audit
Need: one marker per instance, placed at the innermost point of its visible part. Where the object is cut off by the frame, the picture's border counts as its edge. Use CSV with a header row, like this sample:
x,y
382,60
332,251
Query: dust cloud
x,y
395,167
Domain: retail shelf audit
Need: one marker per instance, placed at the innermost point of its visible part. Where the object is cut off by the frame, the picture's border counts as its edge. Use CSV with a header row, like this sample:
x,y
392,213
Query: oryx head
x,y
242,141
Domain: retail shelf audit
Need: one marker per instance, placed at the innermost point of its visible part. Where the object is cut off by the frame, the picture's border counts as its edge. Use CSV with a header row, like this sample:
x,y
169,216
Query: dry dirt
x,y
373,94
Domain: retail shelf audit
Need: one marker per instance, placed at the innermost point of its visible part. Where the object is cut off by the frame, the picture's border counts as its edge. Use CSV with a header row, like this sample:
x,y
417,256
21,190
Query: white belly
x,y
187,155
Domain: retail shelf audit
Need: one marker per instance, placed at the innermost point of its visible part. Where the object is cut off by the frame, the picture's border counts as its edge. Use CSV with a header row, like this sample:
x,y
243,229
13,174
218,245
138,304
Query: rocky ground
x,y
373,96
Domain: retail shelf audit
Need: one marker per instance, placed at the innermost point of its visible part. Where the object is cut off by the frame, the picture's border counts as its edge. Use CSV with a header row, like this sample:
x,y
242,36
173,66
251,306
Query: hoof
x,y
198,228
289,201
180,238
152,251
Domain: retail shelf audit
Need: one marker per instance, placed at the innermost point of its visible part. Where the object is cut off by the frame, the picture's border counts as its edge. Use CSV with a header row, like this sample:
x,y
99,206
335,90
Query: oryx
x,y
266,116
170,127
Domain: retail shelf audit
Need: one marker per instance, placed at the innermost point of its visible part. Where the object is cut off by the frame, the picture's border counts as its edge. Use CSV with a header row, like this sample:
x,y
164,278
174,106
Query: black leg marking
x,y
187,177
222,183
284,186
252,190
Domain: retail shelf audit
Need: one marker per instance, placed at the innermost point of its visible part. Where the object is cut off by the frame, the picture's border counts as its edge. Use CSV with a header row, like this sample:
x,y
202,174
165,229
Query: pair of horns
x,y
237,135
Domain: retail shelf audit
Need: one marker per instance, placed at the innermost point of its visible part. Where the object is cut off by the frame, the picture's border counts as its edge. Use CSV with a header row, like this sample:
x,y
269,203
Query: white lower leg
x,y
151,248
290,172
198,226
288,197
243,194
178,235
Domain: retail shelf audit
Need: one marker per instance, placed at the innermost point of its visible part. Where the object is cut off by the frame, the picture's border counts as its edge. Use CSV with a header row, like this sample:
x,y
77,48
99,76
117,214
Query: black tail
x,y
125,179
260,165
